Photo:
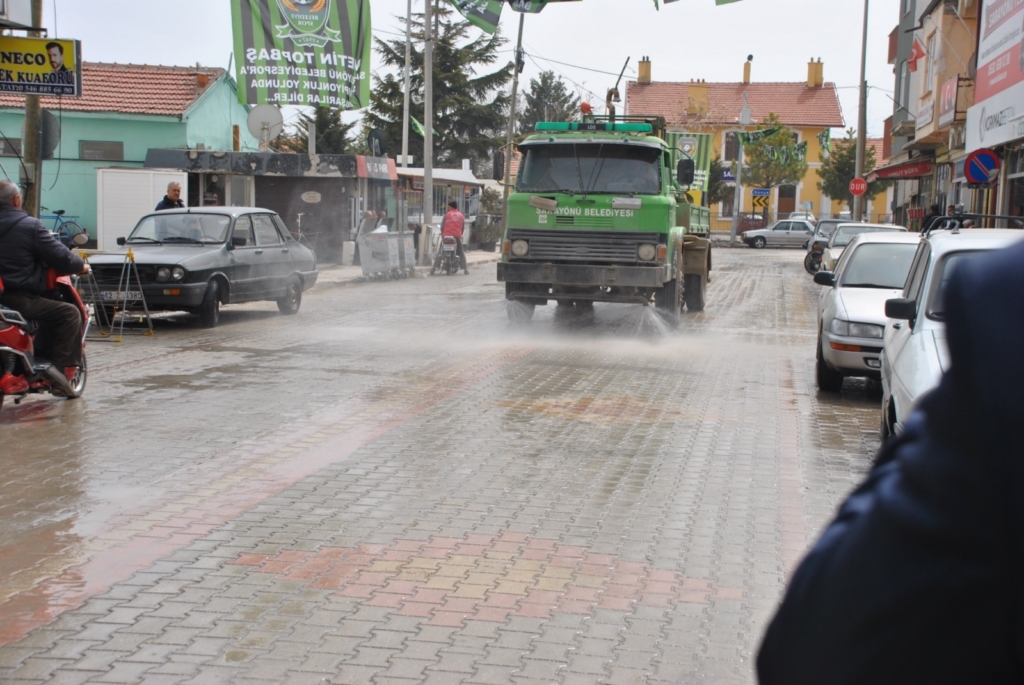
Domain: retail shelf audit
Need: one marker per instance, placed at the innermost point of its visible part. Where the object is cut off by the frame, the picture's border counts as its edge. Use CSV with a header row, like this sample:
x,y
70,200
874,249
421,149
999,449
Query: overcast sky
x,y
689,39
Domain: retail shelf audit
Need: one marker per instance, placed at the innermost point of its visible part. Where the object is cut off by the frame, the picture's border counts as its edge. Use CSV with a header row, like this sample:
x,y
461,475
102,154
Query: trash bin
x,y
383,254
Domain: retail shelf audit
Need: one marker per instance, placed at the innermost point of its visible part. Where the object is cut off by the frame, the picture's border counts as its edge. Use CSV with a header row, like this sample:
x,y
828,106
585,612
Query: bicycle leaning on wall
x,y
63,228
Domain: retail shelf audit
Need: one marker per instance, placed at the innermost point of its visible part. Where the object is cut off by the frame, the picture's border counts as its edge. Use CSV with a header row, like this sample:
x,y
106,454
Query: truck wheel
x,y
694,292
668,299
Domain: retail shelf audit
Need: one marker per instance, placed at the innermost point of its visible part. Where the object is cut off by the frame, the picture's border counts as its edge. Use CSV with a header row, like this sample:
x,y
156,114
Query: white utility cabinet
x,y
123,196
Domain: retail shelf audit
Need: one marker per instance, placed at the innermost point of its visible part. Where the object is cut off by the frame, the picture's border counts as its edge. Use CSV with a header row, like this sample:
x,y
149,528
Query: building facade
x,y
807,107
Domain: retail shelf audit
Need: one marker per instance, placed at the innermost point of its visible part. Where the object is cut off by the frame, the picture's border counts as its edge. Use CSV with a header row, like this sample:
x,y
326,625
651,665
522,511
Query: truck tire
x,y
693,295
668,299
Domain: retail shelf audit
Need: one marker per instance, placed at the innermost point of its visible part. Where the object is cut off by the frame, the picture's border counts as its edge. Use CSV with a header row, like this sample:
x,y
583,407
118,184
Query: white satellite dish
x,y
265,123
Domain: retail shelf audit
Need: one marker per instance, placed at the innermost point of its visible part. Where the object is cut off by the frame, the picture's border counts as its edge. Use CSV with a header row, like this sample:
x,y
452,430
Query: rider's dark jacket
x,y
26,249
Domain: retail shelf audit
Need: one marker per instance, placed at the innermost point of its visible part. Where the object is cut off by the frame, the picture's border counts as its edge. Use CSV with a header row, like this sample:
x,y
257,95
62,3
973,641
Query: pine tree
x,y
470,107
838,169
548,99
332,134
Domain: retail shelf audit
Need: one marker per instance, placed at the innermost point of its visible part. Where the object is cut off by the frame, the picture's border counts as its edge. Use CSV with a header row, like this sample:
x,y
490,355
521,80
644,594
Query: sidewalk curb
x,y
419,272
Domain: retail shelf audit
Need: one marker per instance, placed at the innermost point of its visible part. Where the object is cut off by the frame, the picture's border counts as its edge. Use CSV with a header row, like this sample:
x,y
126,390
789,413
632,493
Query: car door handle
x,y
284,249
257,251
897,325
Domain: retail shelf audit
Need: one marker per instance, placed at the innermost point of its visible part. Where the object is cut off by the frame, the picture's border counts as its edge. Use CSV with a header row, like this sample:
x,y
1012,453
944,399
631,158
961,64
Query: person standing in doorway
x,y
454,222
172,200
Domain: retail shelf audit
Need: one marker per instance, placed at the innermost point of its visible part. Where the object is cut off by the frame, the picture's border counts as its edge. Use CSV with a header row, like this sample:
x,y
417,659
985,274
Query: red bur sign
x,y
858,186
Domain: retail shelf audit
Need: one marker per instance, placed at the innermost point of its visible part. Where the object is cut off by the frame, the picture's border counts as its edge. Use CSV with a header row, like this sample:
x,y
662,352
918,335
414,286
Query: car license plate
x,y
122,296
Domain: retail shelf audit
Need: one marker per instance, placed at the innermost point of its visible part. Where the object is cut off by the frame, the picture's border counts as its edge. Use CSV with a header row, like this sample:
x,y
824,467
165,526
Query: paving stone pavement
x,y
397,486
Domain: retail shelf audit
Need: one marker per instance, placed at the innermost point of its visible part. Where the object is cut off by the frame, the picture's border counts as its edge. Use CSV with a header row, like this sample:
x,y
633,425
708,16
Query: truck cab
x,y
599,214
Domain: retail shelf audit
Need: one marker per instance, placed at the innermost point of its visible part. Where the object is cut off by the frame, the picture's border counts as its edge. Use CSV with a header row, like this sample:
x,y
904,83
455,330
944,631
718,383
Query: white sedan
x,y
851,308
915,354
843,235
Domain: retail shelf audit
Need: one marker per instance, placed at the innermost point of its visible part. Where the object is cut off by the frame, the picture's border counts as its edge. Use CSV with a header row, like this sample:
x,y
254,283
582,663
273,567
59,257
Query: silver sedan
x,y
781,234
851,308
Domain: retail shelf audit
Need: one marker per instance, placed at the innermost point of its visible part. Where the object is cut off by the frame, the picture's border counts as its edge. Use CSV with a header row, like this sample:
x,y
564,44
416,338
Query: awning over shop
x,y
913,169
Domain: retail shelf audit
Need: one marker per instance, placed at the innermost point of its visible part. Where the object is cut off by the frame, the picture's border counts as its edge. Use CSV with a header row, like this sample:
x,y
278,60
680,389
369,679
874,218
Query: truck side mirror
x,y
121,241
685,172
498,171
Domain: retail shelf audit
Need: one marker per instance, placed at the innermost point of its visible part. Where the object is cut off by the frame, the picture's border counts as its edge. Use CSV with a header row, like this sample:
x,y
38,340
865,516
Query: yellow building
x,y
807,107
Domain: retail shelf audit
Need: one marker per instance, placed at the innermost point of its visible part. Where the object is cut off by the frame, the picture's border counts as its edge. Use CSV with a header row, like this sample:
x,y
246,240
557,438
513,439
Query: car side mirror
x,y
685,172
825,278
237,242
901,308
121,241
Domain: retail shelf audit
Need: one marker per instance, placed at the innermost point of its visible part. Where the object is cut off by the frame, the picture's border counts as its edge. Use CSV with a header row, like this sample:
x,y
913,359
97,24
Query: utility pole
x,y
862,119
31,144
427,232
737,198
408,80
512,122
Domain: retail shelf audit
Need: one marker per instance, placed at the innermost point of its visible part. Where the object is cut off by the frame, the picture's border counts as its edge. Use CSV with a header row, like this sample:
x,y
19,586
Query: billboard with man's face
x,y
40,66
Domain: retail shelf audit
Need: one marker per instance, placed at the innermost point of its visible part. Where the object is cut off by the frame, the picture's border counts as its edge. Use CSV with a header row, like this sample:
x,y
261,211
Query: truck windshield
x,y
603,168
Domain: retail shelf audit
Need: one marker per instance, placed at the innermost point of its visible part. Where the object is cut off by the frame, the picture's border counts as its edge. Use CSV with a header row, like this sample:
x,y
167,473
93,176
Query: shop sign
x,y
379,168
312,197
999,82
925,112
907,170
947,102
41,66
957,137
303,52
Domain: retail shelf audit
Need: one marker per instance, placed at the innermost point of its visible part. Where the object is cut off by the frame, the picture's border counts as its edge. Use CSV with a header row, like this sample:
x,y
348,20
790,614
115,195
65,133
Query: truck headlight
x,y
520,248
163,273
647,252
177,273
853,329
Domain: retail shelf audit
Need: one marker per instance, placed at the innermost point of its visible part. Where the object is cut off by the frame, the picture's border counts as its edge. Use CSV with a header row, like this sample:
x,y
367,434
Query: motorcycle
x,y
21,371
449,254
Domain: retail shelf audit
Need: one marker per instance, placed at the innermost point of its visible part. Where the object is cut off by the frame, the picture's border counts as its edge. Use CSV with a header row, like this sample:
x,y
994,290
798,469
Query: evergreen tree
x,y
470,107
838,169
548,99
763,166
332,134
718,189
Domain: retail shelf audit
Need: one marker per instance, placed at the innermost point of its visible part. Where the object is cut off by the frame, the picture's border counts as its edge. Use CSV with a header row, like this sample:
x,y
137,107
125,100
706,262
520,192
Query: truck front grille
x,y
587,222
601,247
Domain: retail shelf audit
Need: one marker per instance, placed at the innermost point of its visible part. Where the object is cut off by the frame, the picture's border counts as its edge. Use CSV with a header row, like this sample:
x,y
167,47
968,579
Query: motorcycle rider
x,y
27,248
453,224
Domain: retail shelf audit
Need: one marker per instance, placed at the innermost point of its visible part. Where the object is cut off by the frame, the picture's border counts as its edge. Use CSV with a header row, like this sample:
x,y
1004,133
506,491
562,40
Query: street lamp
x,y
737,200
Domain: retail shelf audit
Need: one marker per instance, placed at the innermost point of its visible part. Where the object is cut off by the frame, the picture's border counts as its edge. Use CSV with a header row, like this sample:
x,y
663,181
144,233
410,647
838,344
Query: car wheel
x,y
758,242
290,303
828,378
209,310
78,382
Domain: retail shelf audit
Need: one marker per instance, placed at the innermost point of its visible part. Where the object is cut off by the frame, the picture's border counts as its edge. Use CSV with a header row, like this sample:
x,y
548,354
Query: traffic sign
x,y
858,186
760,192
760,201
981,166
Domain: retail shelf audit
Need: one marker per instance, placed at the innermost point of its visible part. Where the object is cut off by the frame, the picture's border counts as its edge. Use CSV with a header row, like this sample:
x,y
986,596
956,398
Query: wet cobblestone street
x,y
397,486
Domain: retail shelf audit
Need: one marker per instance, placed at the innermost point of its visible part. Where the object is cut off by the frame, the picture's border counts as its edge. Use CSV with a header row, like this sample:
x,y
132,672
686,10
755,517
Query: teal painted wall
x,y
69,182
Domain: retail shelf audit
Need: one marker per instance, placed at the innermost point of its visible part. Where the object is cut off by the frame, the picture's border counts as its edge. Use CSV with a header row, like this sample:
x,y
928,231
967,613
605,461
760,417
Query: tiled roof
x,y
132,89
794,103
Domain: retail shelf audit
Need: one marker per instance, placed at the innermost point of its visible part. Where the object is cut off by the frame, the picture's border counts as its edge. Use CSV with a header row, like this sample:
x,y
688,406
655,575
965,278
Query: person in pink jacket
x,y
452,226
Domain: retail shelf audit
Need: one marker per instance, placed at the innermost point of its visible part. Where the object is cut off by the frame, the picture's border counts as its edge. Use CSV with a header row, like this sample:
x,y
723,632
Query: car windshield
x,y
943,270
879,265
591,168
844,234
188,228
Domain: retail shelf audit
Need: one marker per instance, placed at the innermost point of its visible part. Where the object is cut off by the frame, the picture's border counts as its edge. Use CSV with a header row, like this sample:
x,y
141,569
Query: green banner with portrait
x,y
695,146
303,52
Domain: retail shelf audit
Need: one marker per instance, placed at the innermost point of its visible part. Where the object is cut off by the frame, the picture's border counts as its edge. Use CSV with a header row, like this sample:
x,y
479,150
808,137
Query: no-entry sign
x,y
858,186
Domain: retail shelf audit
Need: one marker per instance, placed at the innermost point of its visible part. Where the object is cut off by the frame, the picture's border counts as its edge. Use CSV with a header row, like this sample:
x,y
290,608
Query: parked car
x,y
915,354
842,236
823,230
199,258
803,216
851,308
783,233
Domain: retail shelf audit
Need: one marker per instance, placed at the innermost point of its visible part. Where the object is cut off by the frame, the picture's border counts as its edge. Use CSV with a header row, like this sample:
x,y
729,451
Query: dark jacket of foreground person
x,y
920,578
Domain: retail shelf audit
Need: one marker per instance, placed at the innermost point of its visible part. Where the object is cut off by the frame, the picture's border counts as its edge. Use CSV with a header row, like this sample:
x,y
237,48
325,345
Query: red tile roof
x,y
794,103
132,89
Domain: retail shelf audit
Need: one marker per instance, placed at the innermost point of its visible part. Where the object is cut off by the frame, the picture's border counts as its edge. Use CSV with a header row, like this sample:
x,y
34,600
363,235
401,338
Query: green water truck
x,y
599,214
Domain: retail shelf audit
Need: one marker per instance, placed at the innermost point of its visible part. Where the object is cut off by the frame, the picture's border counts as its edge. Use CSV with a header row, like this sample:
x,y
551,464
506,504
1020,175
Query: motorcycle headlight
x,y
520,248
854,329
163,273
177,273
646,252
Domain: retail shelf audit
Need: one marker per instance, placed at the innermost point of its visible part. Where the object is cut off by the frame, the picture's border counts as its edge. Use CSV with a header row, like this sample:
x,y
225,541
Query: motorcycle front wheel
x,y
812,262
